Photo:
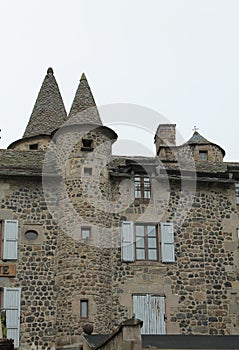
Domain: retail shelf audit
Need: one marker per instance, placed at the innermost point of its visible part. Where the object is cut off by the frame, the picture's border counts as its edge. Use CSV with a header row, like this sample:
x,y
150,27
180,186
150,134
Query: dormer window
x,y
87,145
203,155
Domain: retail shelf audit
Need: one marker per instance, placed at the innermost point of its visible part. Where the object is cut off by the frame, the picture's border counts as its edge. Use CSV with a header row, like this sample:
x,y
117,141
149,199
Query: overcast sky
x,y
177,57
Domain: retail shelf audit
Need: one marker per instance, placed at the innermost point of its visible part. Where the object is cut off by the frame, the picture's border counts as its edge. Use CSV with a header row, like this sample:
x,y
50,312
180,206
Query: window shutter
x,y
10,239
11,304
167,242
127,241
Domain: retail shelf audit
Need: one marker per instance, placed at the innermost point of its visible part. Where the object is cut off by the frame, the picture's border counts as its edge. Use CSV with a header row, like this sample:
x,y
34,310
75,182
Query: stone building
x,y
91,238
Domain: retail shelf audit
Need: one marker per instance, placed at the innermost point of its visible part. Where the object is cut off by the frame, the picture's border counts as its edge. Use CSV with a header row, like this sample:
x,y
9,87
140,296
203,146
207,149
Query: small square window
x,y
84,308
88,171
85,232
203,155
87,145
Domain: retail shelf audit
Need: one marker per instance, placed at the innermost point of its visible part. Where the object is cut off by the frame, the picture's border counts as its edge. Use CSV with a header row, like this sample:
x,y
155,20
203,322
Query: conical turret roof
x,y
197,139
49,111
83,109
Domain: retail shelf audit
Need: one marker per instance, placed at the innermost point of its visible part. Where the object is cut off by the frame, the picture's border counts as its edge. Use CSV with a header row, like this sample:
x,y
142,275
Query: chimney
x,y
165,136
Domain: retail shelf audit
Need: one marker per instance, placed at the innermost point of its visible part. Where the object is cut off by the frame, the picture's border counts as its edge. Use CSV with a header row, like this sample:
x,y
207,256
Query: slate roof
x,y
83,109
197,139
216,342
25,163
49,111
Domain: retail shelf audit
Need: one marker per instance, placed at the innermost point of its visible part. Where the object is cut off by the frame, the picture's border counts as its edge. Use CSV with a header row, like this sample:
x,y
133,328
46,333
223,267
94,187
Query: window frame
x,y
86,228
146,241
87,309
141,187
203,155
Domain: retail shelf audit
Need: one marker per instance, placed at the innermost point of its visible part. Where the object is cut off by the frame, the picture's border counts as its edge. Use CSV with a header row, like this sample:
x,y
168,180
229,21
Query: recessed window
x,y
33,146
88,171
84,308
142,187
85,232
31,235
203,155
87,145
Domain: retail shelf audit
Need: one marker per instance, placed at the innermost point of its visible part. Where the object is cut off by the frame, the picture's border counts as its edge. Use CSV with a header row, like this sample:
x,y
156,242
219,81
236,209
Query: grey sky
x,y
177,57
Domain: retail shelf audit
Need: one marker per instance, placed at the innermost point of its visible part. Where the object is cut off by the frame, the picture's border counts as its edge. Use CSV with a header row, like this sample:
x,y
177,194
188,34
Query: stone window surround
x,y
32,227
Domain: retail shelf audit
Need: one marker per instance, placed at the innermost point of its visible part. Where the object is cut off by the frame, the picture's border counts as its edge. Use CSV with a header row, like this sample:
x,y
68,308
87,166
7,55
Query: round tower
x,y
83,149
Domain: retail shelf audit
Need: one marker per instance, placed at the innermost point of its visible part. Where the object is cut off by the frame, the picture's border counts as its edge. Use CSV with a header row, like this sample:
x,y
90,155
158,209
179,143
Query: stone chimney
x,y
165,136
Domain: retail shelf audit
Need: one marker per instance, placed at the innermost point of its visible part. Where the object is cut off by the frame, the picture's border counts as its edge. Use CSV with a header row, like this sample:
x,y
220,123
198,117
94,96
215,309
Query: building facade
x,y
91,238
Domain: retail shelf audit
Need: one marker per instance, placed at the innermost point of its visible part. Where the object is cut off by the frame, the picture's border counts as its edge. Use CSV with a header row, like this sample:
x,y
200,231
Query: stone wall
x,y
35,266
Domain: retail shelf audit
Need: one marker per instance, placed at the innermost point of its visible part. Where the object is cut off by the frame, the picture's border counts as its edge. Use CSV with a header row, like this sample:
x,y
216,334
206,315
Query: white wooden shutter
x,y
10,239
127,241
11,303
151,310
167,242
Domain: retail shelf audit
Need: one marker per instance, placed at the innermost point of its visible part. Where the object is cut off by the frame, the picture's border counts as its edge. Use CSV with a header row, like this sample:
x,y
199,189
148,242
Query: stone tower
x,y
84,269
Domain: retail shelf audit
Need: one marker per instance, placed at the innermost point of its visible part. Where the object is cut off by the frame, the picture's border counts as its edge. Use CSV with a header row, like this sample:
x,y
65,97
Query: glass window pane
x,y
85,233
140,243
140,254
137,194
152,253
84,308
151,230
139,230
152,243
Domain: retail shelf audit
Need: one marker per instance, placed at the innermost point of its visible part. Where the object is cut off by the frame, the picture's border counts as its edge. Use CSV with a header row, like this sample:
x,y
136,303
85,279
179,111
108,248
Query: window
x,y
140,242
88,171
31,235
9,233
237,192
84,308
87,145
142,187
85,232
33,146
151,310
203,155
11,306
146,238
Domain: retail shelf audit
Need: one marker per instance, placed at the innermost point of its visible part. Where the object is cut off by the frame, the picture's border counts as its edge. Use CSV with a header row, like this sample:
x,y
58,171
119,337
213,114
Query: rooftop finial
x,y
83,77
50,71
195,128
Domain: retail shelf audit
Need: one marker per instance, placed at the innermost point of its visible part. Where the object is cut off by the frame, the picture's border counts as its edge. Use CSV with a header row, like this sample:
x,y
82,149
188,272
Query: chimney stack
x,y
165,136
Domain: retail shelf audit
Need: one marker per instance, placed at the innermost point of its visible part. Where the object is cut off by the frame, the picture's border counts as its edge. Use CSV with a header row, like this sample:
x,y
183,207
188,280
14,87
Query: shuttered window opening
x,y
140,242
10,240
127,241
11,305
167,242
151,310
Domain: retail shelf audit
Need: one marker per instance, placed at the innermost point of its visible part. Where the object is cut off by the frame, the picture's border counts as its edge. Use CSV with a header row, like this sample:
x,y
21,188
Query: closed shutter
x,y
10,239
11,303
127,241
167,242
151,310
